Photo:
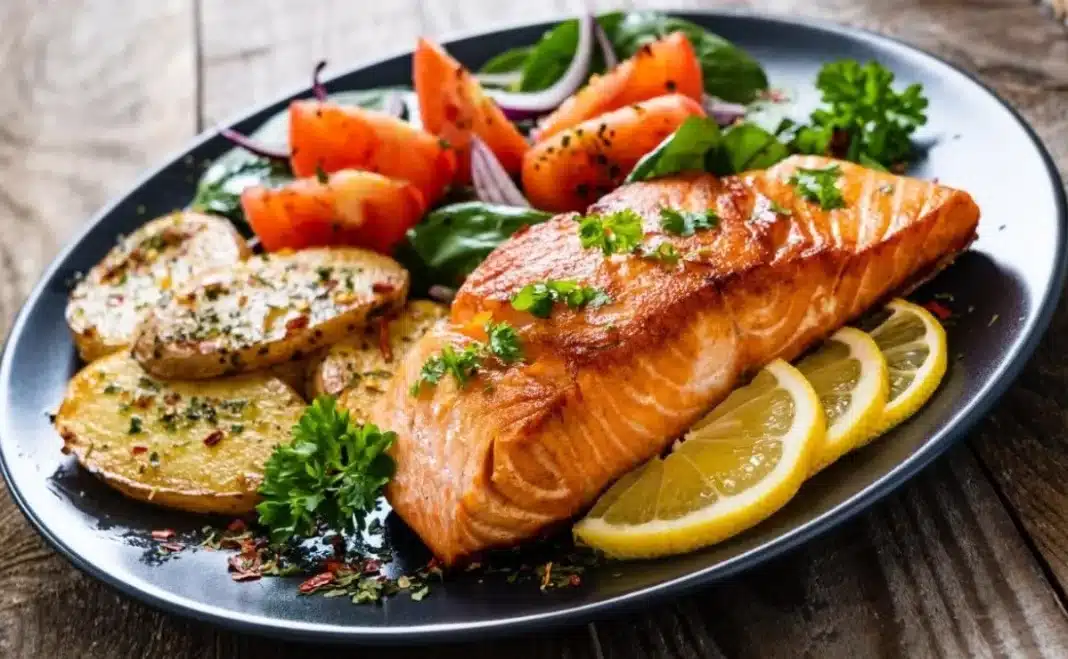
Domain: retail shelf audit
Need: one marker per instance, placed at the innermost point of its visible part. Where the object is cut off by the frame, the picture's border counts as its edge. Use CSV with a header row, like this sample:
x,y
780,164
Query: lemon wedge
x,y
736,467
851,379
914,345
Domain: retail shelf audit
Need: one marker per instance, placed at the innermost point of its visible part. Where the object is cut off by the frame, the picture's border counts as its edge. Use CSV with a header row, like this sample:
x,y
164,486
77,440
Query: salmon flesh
x,y
523,448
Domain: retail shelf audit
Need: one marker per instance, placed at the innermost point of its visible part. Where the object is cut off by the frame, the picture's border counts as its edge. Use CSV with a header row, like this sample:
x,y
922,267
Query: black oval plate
x,y
1004,289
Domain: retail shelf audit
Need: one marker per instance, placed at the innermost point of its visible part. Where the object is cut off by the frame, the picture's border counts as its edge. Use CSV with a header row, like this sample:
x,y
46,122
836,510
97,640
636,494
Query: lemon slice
x,y
850,377
736,467
914,345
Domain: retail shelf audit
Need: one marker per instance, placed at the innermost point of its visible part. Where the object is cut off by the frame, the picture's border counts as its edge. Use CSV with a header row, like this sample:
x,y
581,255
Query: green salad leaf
x,y
331,473
454,239
729,72
700,145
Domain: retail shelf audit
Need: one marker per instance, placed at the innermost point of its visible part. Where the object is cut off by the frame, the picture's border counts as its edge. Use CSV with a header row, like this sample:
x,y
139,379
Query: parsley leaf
x,y
665,252
820,185
331,473
538,298
504,343
864,120
615,233
461,365
686,223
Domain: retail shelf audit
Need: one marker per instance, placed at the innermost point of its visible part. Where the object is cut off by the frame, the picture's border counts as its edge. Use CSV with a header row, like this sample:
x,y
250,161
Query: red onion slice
x,y
611,60
492,183
317,85
505,80
250,145
547,100
721,111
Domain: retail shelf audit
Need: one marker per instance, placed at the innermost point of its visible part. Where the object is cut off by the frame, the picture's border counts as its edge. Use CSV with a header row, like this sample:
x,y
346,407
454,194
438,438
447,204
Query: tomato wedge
x,y
329,137
454,106
574,168
667,66
350,207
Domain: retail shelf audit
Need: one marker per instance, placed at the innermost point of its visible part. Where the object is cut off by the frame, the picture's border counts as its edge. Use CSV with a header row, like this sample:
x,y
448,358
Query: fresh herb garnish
x,y
461,365
665,252
331,473
614,233
686,223
864,120
538,298
819,185
503,343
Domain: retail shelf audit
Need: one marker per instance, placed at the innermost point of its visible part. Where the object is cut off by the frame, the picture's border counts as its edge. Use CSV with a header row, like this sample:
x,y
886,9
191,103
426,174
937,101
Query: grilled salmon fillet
x,y
521,448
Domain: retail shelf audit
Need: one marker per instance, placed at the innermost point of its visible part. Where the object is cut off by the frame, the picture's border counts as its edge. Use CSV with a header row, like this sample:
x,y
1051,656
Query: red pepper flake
x,y
383,339
383,287
316,582
237,526
300,322
138,449
574,581
938,310
173,547
163,534
213,438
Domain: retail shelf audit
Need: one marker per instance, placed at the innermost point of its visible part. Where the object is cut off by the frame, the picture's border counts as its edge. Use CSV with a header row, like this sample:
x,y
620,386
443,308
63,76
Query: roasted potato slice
x,y
357,368
194,445
267,310
106,306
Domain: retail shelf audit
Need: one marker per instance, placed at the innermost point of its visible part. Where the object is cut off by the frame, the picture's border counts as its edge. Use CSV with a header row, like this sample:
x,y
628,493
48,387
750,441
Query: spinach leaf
x,y
729,72
508,61
687,149
219,190
549,58
700,145
220,186
454,239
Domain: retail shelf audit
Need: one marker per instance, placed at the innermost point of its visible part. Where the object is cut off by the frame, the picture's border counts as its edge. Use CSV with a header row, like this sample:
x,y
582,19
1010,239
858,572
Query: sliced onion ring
x,y
611,60
317,85
723,112
492,183
253,147
518,104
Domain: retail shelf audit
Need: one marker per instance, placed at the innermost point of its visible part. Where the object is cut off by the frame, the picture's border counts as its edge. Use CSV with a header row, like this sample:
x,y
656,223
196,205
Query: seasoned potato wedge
x,y
267,310
194,445
357,369
143,268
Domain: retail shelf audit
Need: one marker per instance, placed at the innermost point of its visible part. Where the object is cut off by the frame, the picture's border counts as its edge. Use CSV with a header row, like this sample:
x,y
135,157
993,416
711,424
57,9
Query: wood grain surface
x,y
970,559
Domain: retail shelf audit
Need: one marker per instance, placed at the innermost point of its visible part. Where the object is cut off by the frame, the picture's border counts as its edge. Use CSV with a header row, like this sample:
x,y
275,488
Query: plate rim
x,y
963,420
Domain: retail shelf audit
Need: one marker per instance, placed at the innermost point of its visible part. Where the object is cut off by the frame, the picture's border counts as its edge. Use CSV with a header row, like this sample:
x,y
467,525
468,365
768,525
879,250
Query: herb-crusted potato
x,y
267,310
357,369
106,306
194,445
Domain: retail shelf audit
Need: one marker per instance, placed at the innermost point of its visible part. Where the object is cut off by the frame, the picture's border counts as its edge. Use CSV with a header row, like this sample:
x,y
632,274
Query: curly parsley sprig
x,y
538,298
331,473
614,233
503,343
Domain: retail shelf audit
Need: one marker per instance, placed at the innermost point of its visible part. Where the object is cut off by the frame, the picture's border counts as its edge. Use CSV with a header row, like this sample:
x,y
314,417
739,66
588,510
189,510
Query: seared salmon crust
x,y
524,447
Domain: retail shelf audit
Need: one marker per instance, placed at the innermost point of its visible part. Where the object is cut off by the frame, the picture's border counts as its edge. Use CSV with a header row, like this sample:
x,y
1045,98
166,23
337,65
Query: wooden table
x,y
970,559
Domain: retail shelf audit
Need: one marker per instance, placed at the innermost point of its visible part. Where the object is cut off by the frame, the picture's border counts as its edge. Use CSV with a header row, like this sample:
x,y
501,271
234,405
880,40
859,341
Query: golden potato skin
x,y
106,306
198,446
357,370
267,310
